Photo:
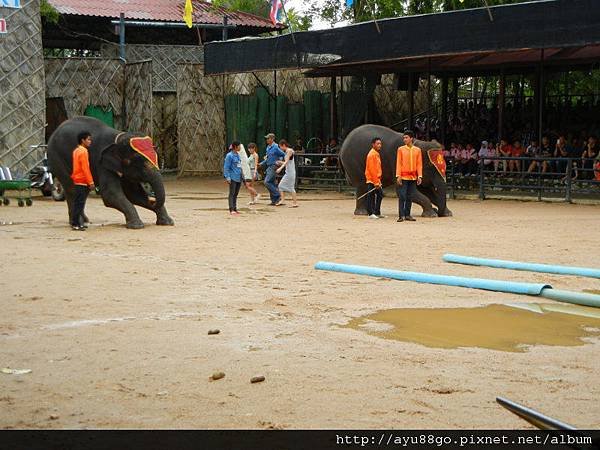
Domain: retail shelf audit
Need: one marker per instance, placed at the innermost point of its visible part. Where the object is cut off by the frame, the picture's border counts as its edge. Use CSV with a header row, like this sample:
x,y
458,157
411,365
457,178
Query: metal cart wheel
x,y
21,203
28,202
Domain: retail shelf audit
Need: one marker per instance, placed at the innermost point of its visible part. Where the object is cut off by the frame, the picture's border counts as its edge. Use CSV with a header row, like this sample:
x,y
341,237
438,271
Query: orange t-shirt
x,y
81,175
409,163
516,151
373,168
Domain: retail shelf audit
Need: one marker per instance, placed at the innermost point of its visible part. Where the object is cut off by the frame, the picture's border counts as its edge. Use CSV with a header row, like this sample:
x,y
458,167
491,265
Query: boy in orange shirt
x,y
409,174
373,177
82,179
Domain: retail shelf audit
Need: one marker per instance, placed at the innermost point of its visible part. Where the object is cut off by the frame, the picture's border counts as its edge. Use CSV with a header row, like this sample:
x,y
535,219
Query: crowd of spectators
x,y
470,129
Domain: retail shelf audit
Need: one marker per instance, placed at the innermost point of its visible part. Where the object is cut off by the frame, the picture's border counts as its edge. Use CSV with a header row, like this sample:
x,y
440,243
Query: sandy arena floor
x,y
113,322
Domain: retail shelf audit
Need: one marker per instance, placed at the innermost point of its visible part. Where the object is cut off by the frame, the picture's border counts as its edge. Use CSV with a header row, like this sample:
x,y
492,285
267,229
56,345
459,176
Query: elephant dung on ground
x,y
119,161
353,157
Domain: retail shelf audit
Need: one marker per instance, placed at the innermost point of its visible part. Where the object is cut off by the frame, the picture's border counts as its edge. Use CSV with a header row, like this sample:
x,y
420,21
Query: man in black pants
x,y
373,177
232,171
82,179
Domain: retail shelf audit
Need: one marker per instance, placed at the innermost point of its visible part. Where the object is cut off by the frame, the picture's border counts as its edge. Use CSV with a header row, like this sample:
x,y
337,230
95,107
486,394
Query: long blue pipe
x,y
515,265
544,290
476,283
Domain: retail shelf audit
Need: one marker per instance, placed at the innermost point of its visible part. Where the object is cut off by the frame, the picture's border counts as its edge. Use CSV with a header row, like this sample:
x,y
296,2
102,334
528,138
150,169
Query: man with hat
x,y
274,154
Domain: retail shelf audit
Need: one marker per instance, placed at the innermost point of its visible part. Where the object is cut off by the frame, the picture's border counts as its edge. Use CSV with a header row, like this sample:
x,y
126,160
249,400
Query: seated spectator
x,y
505,151
590,153
515,165
486,152
546,152
471,160
561,151
531,154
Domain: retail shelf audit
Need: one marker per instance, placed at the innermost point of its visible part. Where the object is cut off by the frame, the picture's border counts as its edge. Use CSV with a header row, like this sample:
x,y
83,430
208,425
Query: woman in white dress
x,y
288,182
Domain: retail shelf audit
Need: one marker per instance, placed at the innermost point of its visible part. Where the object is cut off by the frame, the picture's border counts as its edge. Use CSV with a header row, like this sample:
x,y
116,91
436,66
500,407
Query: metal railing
x,y
319,171
543,178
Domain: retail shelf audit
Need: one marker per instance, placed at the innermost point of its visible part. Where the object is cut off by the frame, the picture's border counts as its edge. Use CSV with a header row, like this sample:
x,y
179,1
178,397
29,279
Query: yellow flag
x,y
187,15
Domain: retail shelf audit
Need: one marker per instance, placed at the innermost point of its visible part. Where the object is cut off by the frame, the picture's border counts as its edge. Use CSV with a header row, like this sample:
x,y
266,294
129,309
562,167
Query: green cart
x,y
22,192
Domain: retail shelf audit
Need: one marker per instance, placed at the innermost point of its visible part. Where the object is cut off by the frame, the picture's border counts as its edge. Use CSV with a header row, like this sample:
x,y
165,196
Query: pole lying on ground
x,y
516,265
535,418
511,287
448,280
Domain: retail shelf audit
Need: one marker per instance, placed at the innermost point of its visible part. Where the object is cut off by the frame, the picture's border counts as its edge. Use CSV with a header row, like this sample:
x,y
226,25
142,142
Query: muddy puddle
x,y
508,328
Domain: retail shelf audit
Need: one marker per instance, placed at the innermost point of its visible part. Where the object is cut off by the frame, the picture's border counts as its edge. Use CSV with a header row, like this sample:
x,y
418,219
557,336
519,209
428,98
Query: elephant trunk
x,y
155,180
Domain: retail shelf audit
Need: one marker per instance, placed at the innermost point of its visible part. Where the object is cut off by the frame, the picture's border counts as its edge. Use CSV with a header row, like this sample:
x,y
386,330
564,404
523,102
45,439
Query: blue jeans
x,y
270,184
405,193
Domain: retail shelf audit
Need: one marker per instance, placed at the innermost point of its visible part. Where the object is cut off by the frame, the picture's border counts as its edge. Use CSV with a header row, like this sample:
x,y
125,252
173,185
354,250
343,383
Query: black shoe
x,y
77,228
400,219
410,219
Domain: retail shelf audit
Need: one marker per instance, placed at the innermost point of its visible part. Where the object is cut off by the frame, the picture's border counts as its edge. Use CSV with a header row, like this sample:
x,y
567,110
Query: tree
x,y
262,8
334,11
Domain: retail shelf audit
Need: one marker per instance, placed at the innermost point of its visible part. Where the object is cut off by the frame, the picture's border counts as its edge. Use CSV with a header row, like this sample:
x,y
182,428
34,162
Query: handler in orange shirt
x,y
373,177
409,173
82,179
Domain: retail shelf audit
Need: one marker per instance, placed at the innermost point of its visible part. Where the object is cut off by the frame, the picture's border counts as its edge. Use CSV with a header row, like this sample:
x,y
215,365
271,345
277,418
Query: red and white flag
x,y
276,11
2,25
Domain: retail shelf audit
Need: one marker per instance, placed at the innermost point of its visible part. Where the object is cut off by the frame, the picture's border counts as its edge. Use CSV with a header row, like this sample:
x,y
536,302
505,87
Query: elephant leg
x,y
136,194
69,194
114,197
424,202
361,203
438,198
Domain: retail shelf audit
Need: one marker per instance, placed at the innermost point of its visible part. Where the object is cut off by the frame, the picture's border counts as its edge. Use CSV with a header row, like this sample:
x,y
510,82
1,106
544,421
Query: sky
x,y
302,6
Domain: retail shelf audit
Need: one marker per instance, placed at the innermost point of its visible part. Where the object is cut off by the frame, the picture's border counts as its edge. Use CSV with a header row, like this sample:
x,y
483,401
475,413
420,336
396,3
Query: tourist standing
x,y
288,182
232,171
274,154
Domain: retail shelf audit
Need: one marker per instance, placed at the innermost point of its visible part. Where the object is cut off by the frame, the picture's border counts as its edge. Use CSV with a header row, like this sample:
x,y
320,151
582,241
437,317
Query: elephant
x,y
353,158
119,161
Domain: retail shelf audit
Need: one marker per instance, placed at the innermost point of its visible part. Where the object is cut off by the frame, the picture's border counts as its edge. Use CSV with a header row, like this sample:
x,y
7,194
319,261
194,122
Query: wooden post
x,y
428,128
444,109
411,101
541,88
333,129
501,99
455,97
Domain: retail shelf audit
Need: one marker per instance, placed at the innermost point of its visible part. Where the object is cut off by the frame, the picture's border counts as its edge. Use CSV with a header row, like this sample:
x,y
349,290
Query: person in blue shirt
x,y
274,154
232,171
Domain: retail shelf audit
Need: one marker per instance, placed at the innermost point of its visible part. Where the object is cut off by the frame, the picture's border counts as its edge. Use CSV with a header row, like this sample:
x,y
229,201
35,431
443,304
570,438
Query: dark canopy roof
x,y
568,30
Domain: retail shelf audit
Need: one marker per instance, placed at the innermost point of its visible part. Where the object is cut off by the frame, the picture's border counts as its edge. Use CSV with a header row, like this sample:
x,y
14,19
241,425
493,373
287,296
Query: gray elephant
x,y
120,162
353,158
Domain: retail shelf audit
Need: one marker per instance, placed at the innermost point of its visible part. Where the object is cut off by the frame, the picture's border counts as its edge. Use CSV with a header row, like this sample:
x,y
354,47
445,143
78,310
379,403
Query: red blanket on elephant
x,y
437,159
597,171
145,147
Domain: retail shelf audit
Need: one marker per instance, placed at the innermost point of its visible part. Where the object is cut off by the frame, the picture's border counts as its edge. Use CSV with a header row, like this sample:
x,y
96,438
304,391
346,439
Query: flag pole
x,y
291,32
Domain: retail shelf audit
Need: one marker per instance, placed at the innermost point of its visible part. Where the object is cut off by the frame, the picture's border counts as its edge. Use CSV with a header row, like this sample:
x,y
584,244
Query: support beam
x,y
501,101
542,98
225,19
122,37
333,129
444,123
428,127
411,100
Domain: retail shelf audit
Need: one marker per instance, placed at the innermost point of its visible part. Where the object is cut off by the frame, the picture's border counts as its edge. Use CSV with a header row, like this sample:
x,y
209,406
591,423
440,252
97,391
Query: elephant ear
x,y
111,160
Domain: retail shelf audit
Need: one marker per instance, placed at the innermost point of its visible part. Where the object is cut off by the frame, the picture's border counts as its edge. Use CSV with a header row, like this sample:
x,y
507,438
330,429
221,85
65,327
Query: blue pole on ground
x,y
511,287
516,265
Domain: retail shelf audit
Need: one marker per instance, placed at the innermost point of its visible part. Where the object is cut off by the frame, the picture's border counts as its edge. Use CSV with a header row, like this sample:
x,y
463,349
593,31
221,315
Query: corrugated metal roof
x,y
158,10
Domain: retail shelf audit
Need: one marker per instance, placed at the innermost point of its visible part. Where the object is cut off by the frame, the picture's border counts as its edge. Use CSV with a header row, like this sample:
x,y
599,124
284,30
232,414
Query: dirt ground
x,y
113,323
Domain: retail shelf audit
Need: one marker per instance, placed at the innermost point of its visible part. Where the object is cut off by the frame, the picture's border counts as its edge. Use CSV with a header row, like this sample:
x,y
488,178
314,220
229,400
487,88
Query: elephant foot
x,y
429,213
135,225
446,213
165,220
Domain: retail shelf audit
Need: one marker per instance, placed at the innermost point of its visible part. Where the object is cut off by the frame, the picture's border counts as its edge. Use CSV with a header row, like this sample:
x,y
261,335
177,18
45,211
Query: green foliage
x,y
298,21
257,7
334,11
48,13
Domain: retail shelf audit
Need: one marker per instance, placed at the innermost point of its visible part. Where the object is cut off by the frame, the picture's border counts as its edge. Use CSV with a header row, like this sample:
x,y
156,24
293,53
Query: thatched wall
x,y
164,60
138,97
22,105
164,117
86,81
201,121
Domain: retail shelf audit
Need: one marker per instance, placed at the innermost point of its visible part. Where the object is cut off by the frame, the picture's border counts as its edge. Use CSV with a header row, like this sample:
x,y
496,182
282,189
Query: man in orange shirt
x,y
409,174
373,177
82,179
